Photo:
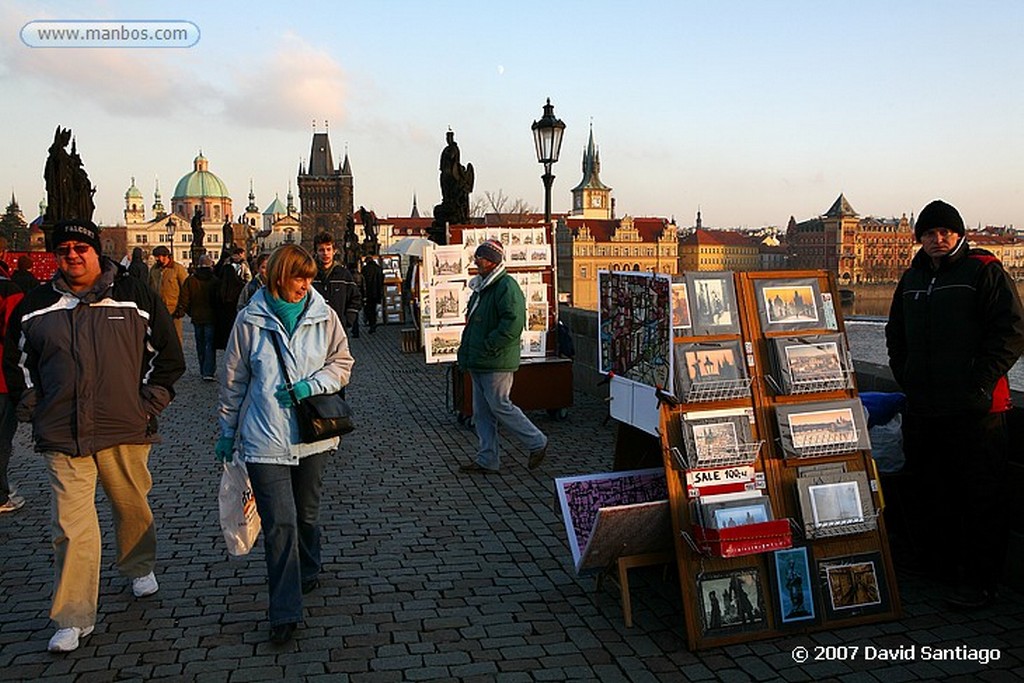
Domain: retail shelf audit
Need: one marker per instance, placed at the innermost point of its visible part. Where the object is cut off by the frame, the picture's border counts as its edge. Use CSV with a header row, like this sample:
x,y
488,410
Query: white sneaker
x,y
14,502
66,639
145,585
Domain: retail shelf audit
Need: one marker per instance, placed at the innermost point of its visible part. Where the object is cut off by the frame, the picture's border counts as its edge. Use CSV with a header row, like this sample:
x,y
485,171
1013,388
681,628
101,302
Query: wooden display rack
x,y
700,552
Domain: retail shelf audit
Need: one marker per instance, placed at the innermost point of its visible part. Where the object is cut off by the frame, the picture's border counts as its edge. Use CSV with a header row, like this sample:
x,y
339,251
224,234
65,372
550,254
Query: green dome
x,y
133,192
200,182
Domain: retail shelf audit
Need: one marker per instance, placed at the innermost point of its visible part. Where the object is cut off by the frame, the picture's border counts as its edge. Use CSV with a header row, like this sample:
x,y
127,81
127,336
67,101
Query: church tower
x,y
325,192
134,208
592,198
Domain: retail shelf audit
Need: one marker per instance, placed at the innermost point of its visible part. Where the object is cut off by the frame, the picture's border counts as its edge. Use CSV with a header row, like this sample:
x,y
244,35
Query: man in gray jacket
x,y
91,359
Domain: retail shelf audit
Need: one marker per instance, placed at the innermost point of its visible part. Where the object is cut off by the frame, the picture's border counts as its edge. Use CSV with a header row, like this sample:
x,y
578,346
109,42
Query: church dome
x,y
200,182
133,192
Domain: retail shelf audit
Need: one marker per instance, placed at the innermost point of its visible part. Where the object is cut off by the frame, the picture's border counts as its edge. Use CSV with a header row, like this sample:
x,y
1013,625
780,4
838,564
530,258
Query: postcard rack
x,y
781,338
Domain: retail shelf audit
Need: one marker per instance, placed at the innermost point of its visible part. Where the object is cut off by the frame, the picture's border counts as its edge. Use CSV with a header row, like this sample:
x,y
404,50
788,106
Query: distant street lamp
x,y
547,136
172,225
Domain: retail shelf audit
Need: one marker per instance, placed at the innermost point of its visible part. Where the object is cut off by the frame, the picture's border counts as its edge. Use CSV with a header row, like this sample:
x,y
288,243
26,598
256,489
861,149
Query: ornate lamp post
x,y
172,225
547,137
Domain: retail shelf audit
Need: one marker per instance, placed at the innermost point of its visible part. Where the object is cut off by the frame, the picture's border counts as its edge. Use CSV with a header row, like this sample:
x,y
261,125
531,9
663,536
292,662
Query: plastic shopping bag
x,y
239,519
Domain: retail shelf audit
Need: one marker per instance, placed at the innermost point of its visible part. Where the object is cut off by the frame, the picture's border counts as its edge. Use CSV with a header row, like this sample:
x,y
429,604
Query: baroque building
x,y
859,250
325,192
705,249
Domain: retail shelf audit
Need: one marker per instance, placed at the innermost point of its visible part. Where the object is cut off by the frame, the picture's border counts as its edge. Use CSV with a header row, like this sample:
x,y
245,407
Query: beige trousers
x,y
124,475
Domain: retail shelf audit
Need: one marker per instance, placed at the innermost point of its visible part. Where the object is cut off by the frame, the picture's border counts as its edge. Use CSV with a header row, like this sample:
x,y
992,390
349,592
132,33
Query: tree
x,y
506,210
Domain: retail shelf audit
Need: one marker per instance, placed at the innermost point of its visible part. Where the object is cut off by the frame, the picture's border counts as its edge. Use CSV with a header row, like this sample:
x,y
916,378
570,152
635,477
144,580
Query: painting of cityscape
x,y
706,363
788,304
635,327
442,343
445,263
826,427
731,601
712,301
448,302
829,427
680,308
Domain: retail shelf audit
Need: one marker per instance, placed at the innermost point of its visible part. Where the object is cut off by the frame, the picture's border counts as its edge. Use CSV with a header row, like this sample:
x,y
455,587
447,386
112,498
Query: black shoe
x,y
282,633
310,586
970,598
475,468
537,457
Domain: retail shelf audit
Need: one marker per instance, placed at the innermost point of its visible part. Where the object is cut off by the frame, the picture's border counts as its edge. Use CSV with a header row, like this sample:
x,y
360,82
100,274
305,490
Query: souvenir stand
x,y
392,305
543,381
774,497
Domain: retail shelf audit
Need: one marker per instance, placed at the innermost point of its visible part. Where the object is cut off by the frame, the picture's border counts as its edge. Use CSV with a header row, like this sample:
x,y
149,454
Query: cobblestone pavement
x,y
428,574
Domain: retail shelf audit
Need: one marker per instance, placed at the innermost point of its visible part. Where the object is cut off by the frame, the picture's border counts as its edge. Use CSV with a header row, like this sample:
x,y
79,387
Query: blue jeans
x,y
205,351
288,500
491,405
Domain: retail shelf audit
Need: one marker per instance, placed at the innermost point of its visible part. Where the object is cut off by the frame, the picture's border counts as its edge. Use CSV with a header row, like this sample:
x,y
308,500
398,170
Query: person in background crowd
x,y
23,276
197,298
955,328
10,295
254,284
489,352
233,273
137,267
166,279
91,360
373,290
336,284
258,421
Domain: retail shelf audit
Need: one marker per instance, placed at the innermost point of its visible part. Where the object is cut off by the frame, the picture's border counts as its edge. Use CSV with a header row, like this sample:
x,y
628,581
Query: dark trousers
x,y
370,311
8,425
958,494
288,500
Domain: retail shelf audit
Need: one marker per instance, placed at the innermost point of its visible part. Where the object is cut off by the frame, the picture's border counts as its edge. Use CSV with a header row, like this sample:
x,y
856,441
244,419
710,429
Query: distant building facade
x,y
705,249
326,192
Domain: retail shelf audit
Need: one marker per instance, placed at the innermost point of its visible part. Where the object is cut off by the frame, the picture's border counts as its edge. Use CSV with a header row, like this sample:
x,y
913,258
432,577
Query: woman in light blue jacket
x,y
258,421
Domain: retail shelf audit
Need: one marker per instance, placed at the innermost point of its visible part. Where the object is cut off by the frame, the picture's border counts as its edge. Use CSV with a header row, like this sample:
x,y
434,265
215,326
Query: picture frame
x,y
444,263
448,302
713,436
836,504
731,601
712,301
634,320
793,304
708,365
853,586
680,309
811,363
794,586
537,317
441,344
533,344
822,428
753,508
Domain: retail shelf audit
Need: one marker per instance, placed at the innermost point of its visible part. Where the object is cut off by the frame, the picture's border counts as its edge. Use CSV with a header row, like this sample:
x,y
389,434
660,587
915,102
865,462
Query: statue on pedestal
x,y
456,184
198,236
68,190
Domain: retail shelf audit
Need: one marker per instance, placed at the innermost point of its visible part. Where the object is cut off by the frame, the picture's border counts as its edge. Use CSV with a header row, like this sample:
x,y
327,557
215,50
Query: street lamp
x,y
547,137
172,225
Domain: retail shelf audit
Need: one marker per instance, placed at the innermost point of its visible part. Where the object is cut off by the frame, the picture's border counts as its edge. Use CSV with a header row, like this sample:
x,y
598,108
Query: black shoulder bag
x,y
323,416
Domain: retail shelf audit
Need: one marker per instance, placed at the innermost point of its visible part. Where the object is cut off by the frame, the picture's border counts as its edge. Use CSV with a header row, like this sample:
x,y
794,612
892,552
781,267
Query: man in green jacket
x,y
489,352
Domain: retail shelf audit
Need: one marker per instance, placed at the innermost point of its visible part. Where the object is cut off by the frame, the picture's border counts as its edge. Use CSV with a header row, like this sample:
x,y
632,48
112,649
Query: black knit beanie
x,y
938,214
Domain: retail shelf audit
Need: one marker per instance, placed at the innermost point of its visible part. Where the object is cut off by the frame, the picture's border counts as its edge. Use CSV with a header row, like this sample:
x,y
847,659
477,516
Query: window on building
x,y
583,271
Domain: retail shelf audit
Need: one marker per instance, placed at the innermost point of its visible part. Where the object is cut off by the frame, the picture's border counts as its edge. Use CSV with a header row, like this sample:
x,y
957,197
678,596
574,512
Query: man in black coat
x,y
373,290
955,328
336,284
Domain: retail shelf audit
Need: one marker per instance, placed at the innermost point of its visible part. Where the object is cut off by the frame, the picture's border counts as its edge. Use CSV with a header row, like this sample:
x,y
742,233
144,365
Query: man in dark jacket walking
x,y
489,352
10,295
336,284
373,290
197,301
92,358
955,328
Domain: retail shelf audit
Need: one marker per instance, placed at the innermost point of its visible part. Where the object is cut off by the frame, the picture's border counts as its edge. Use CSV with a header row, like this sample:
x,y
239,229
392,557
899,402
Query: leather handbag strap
x,y
284,369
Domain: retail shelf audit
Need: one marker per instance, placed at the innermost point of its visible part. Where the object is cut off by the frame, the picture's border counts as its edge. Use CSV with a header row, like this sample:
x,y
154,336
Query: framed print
x,y
834,504
708,365
711,436
789,304
517,256
823,428
634,321
794,589
391,264
742,512
536,294
680,309
448,302
808,364
731,601
537,317
853,586
712,299
538,254
445,263
441,344
533,344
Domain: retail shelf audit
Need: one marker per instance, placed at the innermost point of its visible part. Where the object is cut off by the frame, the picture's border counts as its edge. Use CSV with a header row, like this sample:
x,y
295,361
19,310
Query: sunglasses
x,y
80,249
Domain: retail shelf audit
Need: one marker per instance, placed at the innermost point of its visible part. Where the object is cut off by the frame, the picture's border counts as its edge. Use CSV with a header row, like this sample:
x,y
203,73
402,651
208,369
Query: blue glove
x,y
225,448
301,389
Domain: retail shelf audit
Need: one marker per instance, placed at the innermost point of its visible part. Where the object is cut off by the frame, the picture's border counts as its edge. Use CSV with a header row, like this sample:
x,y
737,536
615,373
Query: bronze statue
x,y
456,184
198,234
228,234
68,190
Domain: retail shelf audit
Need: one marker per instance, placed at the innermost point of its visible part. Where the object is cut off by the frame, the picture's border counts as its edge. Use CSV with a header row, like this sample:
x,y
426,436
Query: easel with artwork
x,y
776,504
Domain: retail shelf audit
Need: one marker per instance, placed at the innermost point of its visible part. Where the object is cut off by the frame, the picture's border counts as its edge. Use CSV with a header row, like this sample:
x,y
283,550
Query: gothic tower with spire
x,y
592,198
325,192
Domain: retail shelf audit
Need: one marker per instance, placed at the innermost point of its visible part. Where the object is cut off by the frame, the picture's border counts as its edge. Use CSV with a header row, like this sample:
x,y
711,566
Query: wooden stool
x,y
623,565
410,340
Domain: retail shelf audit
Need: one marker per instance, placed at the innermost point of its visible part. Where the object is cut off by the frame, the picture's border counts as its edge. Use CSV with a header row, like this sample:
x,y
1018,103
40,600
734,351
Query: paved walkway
x,y
428,574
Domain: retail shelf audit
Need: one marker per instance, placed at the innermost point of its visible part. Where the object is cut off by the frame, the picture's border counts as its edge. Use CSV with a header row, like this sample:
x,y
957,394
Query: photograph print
x,y
788,304
712,300
815,363
448,302
793,585
441,344
731,601
853,586
680,308
823,428
445,263
714,440
718,364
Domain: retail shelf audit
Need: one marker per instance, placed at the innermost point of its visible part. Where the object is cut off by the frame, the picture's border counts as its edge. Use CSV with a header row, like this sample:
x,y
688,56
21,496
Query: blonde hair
x,y
288,261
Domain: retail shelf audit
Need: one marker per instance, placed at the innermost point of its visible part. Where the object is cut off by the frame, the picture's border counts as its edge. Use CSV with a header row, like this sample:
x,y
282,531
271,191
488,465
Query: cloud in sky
x,y
296,83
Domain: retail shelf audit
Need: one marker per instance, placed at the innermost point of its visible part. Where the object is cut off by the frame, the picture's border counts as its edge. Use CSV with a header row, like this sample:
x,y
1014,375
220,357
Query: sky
x,y
751,112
